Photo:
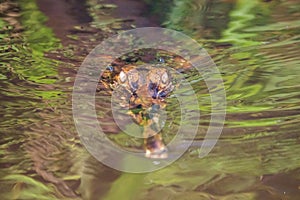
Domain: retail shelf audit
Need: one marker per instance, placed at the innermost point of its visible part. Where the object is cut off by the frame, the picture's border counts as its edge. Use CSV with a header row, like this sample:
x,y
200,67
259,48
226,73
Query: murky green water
x,y
256,46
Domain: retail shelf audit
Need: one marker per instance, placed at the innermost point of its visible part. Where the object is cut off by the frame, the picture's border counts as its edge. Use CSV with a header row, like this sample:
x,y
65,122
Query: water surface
x,y
256,47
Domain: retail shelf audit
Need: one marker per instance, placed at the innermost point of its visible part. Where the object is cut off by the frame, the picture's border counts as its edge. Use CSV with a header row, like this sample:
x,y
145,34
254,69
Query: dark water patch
x,y
120,14
64,15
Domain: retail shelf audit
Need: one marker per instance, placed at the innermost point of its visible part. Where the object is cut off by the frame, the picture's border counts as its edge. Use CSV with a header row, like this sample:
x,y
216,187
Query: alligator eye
x,y
161,60
122,77
165,77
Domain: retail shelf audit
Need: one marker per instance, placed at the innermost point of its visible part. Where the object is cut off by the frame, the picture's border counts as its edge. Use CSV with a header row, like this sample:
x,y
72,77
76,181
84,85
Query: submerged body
x,y
143,90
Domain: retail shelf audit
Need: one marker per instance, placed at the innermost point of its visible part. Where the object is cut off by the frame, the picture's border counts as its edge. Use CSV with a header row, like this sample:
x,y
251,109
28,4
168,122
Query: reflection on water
x,y
256,47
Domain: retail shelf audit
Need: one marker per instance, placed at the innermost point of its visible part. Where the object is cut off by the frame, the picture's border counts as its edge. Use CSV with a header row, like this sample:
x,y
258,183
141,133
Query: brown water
x,y
256,46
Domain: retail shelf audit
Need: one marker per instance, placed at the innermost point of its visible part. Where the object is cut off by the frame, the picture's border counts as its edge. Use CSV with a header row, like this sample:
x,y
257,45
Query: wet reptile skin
x,y
144,89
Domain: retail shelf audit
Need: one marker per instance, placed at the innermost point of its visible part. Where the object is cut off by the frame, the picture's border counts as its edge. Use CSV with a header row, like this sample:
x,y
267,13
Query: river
x,y
255,45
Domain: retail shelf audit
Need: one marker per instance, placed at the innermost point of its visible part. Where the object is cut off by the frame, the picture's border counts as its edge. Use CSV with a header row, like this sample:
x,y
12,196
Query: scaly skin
x,y
145,90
